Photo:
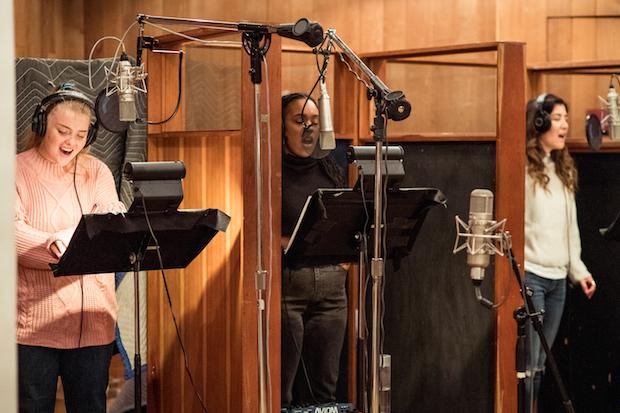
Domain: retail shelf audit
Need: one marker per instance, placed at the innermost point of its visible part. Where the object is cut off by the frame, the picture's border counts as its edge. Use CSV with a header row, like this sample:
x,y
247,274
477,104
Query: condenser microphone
x,y
480,219
327,140
126,91
614,115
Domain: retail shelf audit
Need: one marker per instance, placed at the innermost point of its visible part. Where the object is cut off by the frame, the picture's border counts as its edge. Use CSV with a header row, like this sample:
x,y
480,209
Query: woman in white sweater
x,y
552,243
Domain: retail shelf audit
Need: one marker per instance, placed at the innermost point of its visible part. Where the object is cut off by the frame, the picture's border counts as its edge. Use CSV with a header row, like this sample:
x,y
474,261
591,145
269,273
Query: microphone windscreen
x,y
594,132
107,112
304,30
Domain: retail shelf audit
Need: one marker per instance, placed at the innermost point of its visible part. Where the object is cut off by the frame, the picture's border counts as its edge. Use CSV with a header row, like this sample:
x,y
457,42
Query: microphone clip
x,y
495,239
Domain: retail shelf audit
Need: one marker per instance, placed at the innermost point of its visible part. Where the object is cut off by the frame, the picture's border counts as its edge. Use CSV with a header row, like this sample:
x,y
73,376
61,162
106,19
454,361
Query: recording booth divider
x,y
219,298
215,297
587,342
440,338
447,351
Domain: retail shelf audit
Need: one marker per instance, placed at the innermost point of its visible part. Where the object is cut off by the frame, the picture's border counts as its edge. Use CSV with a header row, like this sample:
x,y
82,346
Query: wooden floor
x,y
116,382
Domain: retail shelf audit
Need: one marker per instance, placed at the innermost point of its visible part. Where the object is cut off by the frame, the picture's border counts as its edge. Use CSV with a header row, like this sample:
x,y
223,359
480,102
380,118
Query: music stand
x,y
104,243
332,220
334,223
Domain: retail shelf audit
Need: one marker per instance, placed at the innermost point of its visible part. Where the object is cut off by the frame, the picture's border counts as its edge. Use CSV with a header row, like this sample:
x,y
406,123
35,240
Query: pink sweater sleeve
x,y
32,244
106,198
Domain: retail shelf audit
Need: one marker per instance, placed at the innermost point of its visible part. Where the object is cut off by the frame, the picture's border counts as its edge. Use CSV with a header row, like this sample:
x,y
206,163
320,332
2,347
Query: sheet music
x,y
298,224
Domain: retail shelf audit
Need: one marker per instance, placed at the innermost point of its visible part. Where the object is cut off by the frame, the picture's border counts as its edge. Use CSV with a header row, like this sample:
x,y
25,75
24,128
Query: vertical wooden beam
x,y
509,201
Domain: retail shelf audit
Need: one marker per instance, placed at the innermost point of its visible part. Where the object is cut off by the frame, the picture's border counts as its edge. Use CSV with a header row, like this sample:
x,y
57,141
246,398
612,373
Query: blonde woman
x,y
65,325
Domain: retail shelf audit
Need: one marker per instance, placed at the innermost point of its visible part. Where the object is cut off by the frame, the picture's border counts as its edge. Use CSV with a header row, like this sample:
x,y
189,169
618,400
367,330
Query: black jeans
x,y
314,319
84,373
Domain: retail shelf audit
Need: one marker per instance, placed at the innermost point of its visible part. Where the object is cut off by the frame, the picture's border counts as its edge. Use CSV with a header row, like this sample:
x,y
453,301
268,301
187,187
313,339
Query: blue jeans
x,y
84,373
548,295
314,319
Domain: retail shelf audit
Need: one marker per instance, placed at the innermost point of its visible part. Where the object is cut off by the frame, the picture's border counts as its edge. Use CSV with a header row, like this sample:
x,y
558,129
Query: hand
x,y
58,248
345,265
588,285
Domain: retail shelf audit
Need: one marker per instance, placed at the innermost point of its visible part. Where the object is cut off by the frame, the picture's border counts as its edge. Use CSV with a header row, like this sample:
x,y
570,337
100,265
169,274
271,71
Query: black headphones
x,y
542,120
67,92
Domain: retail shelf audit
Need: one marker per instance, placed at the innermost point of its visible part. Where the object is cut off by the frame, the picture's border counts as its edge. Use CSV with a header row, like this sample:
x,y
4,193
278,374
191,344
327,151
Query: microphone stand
x,y
252,46
392,105
521,315
256,39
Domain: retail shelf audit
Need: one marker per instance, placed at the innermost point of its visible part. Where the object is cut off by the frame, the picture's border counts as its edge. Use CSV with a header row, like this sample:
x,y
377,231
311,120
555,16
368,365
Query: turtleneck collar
x,y
295,162
46,167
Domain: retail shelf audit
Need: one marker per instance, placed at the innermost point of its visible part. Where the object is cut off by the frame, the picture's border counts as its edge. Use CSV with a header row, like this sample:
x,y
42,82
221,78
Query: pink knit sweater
x,y
50,309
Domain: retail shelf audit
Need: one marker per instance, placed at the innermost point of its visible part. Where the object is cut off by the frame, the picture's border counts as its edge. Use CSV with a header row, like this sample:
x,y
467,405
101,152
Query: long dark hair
x,y
328,164
564,164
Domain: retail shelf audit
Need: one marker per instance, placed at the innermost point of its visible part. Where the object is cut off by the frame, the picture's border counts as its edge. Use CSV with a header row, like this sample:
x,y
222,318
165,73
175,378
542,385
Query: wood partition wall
x,y
215,299
431,313
586,345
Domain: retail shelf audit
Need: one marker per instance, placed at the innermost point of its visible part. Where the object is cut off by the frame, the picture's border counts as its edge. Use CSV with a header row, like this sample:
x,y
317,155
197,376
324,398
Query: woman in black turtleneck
x,y
314,301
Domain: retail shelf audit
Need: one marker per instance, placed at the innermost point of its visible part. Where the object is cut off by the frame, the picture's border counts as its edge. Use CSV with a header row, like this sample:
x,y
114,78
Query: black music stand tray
x,y
121,243
332,222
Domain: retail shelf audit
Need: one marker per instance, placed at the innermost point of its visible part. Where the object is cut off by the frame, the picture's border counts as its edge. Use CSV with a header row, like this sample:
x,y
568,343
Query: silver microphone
x,y
483,237
480,220
614,115
327,140
126,91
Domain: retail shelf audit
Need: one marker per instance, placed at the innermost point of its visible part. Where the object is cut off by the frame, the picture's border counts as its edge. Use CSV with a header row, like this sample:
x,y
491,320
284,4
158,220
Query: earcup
x,y
39,121
92,133
542,121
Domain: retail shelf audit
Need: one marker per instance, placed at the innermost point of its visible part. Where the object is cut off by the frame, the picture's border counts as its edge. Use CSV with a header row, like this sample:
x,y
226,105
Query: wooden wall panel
x,y
52,28
205,294
526,22
219,307
213,88
68,28
299,72
453,99
365,26
109,18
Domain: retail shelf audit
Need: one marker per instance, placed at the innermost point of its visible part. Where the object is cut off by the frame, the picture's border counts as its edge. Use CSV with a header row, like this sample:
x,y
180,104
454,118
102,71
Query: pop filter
x,y
107,112
594,133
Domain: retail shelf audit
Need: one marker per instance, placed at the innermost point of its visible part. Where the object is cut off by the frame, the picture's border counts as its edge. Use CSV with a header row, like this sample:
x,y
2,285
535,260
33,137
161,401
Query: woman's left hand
x,y
588,286
58,248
